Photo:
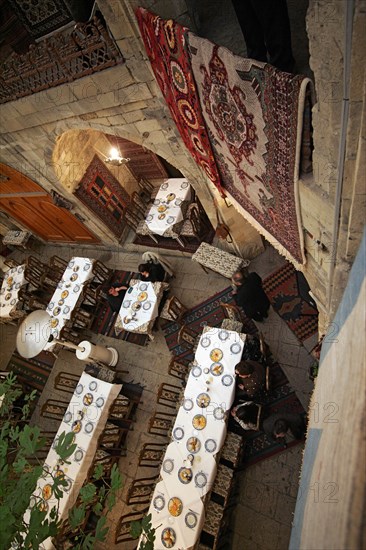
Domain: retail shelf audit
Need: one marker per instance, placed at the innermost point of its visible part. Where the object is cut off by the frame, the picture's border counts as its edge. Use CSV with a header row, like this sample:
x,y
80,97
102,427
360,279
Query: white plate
x,y
50,306
79,389
184,185
164,185
219,413
89,427
210,445
156,202
87,267
71,263
68,416
100,402
178,433
126,303
170,220
191,520
200,480
178,202
223,335
168,465
149,218
159,503
143,286
93,386
196,371
66,310
188,404
235,348
78,456
146,306
76,288
227,380
205,342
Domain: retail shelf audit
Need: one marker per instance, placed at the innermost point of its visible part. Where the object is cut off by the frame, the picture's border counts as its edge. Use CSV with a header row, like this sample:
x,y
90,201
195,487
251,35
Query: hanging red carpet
x,y
246,116
166,46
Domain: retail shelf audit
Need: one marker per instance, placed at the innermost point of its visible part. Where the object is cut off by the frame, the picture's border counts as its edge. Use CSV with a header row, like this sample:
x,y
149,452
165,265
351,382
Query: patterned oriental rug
x,y
106,318
288,295
33,373
247,115
282,397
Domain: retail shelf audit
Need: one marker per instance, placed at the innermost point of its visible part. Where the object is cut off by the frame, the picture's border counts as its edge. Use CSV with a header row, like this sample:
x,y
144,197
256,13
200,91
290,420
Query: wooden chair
x,y
123,529
151,455
232,450
121,409
56,267
188,336
81,319
70,334
194,225
113,437
169,395
140,490
222,484
160,423
138,203
66,382
102,274
178,369
214,524
32,301
138,225
173,310
54,409
104,459
231,311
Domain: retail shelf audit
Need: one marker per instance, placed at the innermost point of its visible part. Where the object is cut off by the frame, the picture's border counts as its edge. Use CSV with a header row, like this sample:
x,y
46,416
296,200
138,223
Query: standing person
x,y
277,425
151,272
266,28
115,294
249,295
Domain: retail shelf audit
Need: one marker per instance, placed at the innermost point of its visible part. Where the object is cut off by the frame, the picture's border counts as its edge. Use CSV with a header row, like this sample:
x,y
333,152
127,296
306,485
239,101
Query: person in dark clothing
x,y
151,272
115,294
277,425
246,415
250,378
249,295
266,28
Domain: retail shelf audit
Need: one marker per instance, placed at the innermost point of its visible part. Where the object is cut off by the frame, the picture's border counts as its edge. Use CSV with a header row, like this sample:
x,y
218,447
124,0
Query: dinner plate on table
x,y
168,465
159,503
178,202
87,267
200,480
178,433
76,288
164,185
196,371
235,348
146,306
188,404
79,389
191,520
210,445
205,342
50,306
93,385
156,202
142,286
223,335
227,380
170,220
184,185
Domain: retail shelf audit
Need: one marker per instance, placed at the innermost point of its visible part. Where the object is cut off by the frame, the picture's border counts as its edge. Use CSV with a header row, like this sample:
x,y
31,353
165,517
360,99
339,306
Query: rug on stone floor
x,y
106,318
32,373
208,313
287,292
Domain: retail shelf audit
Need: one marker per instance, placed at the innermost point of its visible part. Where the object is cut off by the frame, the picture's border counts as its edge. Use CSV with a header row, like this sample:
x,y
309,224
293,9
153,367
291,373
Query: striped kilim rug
x,y
281,397
106,318
284,289
32,373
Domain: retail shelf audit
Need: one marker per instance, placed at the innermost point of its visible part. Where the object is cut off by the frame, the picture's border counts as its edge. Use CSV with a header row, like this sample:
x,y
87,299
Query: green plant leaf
x,y
76,516
146,522
87,493
135,529
28,439
98,508
65,446
100,530
89,542
19,465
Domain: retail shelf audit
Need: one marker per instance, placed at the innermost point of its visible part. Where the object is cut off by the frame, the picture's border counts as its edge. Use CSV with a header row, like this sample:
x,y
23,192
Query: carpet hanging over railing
x,y
242,122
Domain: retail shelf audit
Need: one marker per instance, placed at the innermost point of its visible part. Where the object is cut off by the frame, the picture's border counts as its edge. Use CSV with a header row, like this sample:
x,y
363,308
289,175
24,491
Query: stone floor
x,y
267,491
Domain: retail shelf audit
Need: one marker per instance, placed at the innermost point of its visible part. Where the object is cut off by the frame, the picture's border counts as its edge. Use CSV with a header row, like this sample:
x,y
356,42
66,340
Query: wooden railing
x,y
58,59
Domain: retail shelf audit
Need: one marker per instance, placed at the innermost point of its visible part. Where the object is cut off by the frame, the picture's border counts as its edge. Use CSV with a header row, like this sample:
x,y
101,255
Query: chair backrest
x,y
131,218
169,395
178,369
160,423
81,319
146,185
231,311
175,308
102,274
56,267
65,381
54,409
187,335
141,489
123,533
151,455
138,203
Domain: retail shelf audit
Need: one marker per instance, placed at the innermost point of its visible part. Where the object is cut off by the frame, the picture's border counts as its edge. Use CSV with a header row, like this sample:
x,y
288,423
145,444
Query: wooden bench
x,y
217,260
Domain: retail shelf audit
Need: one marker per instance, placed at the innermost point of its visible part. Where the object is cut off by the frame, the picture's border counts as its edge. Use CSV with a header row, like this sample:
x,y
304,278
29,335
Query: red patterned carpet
x,y
286,290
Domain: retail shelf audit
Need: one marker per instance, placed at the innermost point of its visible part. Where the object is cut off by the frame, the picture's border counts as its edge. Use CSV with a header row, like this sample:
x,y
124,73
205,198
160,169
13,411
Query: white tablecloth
x,y
91,419
13,281
67,294
213,375
166,210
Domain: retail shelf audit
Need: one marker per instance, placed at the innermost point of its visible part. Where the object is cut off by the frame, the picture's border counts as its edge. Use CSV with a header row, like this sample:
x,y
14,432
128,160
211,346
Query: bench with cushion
x,y
222,262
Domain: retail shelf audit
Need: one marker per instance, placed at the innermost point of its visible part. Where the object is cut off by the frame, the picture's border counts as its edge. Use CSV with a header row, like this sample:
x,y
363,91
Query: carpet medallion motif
x,y
166,46
254,116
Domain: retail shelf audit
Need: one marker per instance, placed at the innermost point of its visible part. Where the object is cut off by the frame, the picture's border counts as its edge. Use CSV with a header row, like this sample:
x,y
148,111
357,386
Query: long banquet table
x,y
140,307
66,296
13,281
86,416
189,465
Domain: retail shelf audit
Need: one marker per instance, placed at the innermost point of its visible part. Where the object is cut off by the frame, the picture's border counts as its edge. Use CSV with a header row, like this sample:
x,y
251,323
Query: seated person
x,y
115,294
277,425
249,295
250,379
247,415
151,272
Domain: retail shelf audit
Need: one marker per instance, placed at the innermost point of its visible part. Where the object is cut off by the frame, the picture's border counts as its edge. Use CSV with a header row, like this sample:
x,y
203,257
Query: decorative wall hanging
x,y
102,193
166,46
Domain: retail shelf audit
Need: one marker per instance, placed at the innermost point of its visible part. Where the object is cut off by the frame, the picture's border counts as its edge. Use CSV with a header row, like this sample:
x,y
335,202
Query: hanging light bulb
x,y
115,158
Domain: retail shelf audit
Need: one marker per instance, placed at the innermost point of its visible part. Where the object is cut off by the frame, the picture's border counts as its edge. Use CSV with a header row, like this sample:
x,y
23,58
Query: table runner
x,y
209,394
13,281
168,208
86,416
67,294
